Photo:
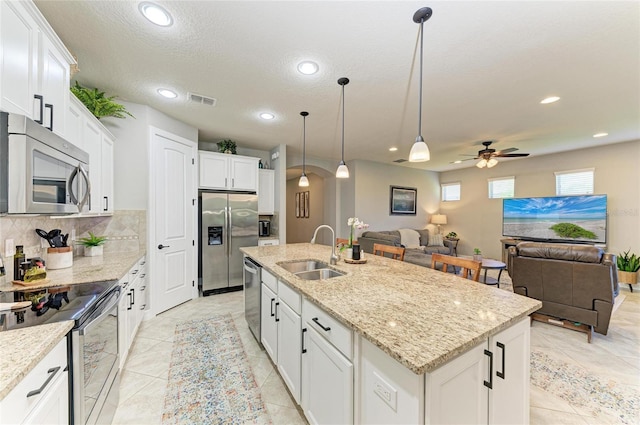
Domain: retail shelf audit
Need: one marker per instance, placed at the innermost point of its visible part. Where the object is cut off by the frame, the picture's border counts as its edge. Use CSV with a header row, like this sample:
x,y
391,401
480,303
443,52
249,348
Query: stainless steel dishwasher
x,y
252,280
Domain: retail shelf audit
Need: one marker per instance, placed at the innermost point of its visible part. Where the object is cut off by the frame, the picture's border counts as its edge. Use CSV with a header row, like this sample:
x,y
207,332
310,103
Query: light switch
x,y
9,248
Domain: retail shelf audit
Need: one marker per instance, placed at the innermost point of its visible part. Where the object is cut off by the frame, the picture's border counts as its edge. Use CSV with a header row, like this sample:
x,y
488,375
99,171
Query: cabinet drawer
x,y
16,405
289,296
270,280
335,332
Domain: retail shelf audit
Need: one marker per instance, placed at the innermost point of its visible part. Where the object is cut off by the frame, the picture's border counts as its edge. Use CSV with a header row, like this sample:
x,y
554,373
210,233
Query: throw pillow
x,y
409,238
435,240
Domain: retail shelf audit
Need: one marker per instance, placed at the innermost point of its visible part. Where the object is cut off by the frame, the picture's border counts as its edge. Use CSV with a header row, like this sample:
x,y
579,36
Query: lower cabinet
x,y
133,301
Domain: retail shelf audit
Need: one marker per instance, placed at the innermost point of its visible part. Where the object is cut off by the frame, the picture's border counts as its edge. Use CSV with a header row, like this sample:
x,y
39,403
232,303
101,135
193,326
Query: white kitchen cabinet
x,y
227,172
266,192
75,117
42,397
106,174
133,302
268,242
35,66
269,324
92,137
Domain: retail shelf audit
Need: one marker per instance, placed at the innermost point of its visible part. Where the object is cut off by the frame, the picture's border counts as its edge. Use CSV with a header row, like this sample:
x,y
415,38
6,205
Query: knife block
x,y
59,258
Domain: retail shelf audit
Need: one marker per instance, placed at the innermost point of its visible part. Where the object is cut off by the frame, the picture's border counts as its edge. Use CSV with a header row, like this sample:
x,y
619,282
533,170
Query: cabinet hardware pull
x,y
134,271
133,296
142,275
130,303
52,372
50,107
39,97
304,331
504,354
490,383
233,182
327,329
272,301
106,204
225,182
277,318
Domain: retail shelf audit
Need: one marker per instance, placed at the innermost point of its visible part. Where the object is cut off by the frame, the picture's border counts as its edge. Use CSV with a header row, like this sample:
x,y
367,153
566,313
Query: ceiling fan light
x,y
419,151
492,162
482,163
304,181
342,172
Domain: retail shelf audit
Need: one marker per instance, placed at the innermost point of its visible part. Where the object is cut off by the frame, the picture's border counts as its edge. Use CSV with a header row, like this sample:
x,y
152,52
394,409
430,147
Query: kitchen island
x,y
408,324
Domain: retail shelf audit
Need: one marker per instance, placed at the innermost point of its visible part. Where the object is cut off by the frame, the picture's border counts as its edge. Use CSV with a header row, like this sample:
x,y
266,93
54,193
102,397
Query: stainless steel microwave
x,y
40,172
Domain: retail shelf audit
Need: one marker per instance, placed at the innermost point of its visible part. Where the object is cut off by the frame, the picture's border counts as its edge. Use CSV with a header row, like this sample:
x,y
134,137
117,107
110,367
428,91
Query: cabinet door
x,y
133,303
106,201
123,334
53,408
289,346
266,190
18,60
269,326
509,398
55,87
214,171
244,174
327,382
74,122
455,392
92,136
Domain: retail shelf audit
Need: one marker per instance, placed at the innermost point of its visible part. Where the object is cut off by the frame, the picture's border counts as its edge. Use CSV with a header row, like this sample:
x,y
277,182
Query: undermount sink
x,y
310,269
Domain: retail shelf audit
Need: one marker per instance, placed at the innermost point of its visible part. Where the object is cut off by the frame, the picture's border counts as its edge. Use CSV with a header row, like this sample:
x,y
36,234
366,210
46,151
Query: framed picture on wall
x,y
306,204
297,204
402,200
302,209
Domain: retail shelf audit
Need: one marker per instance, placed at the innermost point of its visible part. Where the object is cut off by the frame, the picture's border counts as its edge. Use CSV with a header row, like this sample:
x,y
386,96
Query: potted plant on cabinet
x,y
227,146
628,266
477,254
99,104
92,244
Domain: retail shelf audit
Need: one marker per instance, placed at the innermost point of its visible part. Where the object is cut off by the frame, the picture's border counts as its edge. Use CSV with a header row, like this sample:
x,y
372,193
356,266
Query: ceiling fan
x,y
487,156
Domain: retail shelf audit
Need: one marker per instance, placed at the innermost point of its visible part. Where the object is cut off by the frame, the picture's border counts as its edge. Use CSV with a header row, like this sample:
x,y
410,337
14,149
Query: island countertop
x,y
421,317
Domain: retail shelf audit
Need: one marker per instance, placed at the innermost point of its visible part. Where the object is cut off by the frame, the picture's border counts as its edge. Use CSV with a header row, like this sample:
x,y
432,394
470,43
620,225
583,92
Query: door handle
x,y
277,318
504,354
272,301
489,384
324,328
163,246
39,98
304,331
79,203
50,107
106,204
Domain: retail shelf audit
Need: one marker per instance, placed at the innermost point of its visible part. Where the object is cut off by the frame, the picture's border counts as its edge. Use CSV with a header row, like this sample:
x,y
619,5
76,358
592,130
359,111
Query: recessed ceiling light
x,y
393,149
308,67
600,134
550,99
169,94
155,14
267,116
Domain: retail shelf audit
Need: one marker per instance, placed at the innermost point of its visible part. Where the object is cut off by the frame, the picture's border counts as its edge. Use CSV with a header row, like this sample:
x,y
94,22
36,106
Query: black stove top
x,y
53,304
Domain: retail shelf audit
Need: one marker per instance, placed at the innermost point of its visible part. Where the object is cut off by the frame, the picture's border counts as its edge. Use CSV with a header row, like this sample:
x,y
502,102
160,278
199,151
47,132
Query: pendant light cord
x,y
343,123
304,142
420,107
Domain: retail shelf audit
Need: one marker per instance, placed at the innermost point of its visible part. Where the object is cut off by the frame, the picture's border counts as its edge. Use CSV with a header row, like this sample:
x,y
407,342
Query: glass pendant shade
x,y
482,163
492,162
419,151
342,172
304,181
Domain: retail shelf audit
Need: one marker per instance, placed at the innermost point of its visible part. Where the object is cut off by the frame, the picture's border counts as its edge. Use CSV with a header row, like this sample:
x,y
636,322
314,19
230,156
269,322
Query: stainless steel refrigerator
x,y
228,221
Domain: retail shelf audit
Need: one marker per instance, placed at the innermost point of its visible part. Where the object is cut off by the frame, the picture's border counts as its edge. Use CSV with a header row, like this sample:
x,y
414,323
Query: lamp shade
x,y
438,219
419,151
342,172
304,181
482,163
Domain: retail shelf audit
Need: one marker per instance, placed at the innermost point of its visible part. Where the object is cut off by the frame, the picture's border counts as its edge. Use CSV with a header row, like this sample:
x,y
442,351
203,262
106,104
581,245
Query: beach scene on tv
x,y
569,218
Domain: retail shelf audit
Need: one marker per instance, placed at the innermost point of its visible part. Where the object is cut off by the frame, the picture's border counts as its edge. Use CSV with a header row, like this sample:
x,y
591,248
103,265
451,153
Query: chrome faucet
x,y
334,258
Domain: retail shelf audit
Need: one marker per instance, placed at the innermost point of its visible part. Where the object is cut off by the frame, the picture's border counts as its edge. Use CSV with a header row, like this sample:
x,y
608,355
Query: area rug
x,y
576,385
210,378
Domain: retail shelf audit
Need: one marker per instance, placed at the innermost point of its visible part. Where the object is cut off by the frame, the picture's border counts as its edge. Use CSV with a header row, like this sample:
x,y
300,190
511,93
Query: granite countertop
x,y
110,266
22,349
421,317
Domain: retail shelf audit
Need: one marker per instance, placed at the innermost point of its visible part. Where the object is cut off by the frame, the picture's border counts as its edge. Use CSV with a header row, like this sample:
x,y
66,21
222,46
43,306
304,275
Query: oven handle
x,y
91,323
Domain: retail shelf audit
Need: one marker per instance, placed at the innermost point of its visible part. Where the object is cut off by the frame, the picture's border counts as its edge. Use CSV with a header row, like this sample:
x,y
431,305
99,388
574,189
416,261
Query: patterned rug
x,y
579,387
210,378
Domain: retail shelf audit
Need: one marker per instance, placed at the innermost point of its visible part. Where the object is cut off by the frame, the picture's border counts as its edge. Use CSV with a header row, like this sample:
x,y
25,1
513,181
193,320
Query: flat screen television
x,y
575,219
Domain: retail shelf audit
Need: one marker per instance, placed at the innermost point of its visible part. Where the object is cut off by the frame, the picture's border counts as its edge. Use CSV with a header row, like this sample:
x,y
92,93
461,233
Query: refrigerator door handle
x,y
228,210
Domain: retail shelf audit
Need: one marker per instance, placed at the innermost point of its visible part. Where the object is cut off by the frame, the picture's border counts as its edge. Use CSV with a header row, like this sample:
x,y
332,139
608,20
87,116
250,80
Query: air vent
x,y
202,100
400,161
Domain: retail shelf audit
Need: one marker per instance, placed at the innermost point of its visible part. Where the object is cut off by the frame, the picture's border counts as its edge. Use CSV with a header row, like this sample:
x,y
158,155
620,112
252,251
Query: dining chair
x,y
397,252
343,241
470,268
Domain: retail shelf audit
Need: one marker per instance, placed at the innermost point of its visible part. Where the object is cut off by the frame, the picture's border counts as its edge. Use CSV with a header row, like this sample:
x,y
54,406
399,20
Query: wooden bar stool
x,y
469,266
397,252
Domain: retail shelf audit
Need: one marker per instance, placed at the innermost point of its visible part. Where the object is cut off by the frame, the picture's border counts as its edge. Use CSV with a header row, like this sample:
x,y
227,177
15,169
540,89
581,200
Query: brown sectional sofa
x,y
574,282
421,257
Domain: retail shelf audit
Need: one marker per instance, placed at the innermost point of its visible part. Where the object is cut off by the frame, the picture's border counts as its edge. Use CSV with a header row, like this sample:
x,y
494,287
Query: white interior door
x,y
172,219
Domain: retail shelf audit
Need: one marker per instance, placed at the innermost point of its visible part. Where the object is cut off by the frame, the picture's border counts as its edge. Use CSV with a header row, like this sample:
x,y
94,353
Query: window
x,y
502,187
450,191
574,182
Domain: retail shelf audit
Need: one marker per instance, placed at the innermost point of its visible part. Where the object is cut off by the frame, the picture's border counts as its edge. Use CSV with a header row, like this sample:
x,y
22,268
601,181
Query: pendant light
x,y
304,181
342,172
420,150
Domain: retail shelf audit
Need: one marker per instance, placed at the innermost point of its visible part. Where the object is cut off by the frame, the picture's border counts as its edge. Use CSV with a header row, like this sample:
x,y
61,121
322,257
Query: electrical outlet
x,y
9,248
73,236
385,391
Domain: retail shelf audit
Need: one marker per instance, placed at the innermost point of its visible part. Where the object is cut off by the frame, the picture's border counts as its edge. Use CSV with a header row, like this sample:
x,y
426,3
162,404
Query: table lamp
x,y
439,219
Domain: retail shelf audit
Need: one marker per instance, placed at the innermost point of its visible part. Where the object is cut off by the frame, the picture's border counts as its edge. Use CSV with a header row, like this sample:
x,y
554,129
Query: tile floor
x,y
144,378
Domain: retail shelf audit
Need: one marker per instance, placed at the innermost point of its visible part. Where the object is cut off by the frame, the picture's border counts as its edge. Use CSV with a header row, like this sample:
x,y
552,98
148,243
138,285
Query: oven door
x,y
95,362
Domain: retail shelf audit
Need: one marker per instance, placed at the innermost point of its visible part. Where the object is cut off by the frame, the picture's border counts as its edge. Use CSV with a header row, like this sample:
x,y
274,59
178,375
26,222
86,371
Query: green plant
x,y
628,262
227,145
99,104
92,240
477,251
452,235
570,230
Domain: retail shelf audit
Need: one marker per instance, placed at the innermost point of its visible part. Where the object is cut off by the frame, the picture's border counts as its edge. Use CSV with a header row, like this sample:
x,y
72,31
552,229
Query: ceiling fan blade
x,y
461,160
508,150
512,155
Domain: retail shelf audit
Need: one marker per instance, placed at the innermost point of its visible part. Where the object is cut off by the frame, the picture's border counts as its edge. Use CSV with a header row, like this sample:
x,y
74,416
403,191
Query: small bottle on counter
x,y
18,258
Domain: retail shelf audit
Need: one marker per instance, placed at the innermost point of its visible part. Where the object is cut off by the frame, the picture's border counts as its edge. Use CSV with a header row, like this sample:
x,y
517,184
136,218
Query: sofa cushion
x,y
436,240
435,248
409,238
385,236
424,236
556,251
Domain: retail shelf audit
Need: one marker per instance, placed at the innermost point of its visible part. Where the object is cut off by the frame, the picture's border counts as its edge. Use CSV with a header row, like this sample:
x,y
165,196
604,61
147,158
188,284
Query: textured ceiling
x,y
487,66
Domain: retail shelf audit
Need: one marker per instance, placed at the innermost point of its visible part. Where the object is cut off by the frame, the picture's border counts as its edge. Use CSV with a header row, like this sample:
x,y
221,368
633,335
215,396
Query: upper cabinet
x,y
266,188
34,66
221,171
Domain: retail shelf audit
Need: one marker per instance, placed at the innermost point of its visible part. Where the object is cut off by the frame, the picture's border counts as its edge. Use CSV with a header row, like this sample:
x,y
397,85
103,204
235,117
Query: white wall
x,y
301,229
478,220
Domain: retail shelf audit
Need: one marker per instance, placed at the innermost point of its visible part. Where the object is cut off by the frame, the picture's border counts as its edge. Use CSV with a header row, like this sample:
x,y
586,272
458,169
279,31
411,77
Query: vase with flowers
x,y
354,224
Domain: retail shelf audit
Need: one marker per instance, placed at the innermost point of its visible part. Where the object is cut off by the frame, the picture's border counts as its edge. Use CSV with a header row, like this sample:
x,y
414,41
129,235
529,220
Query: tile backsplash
x,y
126,231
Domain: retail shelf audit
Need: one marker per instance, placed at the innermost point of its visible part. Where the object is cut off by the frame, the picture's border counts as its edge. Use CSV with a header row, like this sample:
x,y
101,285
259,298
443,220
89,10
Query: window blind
x,y
574,182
